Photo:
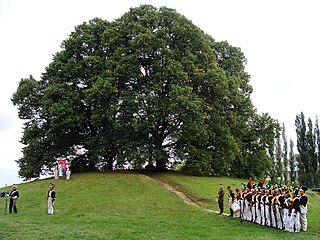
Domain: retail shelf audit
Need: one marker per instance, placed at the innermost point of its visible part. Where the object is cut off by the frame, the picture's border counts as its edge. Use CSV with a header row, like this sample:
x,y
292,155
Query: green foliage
x,y
285,154
144,88
292,162
278,157
307,148
302,148
256,153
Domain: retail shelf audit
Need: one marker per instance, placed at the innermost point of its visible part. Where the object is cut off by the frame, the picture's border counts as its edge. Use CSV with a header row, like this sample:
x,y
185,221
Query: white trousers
x,y
294,223
245,209
50,205
248,208
237,214
273,218
267,215
304,222
262,210
279,217
258,214
286,219
253,211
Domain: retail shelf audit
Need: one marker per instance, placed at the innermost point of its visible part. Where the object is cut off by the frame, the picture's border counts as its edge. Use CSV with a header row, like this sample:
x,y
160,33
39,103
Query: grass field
x,y
122,205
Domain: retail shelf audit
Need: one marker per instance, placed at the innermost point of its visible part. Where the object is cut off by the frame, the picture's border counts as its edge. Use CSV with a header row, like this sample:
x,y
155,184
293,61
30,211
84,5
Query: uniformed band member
x,y
51,198
220,198
278,207
230,199
14,195
303,208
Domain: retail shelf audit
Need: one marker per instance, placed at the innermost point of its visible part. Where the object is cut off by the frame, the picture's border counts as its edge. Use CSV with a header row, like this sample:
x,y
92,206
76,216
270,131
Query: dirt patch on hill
x,y
185,197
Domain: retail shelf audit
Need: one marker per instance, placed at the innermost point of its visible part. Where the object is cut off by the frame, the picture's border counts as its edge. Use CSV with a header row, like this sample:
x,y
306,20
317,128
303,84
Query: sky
x,y
280,39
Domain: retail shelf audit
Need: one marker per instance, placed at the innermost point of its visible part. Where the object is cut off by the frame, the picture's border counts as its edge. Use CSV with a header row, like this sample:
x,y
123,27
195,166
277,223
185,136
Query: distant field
x,y
122,205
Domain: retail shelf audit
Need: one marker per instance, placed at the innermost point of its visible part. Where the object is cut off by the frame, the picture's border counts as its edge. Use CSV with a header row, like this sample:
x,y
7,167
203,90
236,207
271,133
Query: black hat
x,y
304,188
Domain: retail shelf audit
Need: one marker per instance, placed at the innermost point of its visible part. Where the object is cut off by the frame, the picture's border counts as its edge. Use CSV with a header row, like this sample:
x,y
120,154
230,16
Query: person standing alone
x,y
51,198
14,195
220,198
303,209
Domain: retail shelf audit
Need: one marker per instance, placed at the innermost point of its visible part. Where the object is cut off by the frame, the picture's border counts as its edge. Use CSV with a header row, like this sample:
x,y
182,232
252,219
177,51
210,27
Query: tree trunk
x,y
110,163
161,161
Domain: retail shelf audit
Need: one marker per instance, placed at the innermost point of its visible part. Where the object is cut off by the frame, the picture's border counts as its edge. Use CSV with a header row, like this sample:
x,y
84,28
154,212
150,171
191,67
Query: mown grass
x,y
204,190
122,205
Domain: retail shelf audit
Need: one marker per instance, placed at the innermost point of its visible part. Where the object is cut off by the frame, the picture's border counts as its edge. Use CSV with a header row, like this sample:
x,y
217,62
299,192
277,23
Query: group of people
x,y
279,207
14,195
59,171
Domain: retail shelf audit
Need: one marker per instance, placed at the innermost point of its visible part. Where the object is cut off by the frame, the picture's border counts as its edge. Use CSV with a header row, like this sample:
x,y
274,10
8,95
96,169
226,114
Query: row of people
x,y
281,207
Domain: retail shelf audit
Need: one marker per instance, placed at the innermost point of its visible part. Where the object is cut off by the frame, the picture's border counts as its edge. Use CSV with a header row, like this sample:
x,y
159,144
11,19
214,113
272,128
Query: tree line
x,y
147,89
302,167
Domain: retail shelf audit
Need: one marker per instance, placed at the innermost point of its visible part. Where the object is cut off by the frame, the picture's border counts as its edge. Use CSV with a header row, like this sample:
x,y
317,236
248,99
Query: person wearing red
x,y
250,185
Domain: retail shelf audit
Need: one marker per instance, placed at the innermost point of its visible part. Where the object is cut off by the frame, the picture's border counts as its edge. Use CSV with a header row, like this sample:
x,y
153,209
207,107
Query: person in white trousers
x,y
295,213
303,208
51,198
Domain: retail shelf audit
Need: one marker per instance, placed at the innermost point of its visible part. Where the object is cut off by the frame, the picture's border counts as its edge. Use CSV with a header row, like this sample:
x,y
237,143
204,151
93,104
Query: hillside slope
x,y
122,205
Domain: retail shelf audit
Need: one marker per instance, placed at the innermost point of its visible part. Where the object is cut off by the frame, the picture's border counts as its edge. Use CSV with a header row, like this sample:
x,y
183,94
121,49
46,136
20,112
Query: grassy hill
x,y
121,205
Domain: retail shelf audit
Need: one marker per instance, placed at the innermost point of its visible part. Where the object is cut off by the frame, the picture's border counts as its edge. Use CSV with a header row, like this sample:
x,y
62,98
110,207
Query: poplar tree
x,y
317,139
278,157
292,162
311,161
303,163
285,154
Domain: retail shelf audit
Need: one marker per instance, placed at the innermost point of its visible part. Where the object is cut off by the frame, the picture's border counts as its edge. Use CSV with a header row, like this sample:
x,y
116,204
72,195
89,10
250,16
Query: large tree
x,y
144,88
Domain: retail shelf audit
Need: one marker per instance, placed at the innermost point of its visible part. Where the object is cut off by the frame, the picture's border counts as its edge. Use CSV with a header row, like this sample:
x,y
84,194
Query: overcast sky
x,y
280,39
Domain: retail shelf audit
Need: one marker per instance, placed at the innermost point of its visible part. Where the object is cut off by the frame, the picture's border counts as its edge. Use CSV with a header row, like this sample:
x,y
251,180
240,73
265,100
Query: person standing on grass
x,y
14,195
56,172
220,198
295,212
303,208
51,198
238,200
68,173
230,200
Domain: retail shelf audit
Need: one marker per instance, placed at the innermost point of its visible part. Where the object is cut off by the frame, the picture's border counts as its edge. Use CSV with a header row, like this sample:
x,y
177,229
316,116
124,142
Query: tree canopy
x,y
149,88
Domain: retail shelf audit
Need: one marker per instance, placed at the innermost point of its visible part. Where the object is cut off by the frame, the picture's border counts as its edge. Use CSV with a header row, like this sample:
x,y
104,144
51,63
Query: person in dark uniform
x,y
51,198
303,208
14,195
230,199
248,199
295,212
220,198
281,203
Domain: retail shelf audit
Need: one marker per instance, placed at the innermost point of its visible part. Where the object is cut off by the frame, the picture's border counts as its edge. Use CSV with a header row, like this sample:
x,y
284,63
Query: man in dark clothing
x,y
220,198
303,208
230,199
14,195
